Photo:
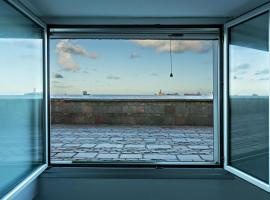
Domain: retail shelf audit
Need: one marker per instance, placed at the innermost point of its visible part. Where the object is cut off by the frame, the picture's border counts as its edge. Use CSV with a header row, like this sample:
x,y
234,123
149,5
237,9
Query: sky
x,y
141,67
249,71
20,66
124,67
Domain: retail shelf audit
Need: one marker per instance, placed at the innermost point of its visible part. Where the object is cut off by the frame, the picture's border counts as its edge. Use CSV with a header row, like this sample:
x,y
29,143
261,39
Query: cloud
x,y
83,71
134,55
264,79
262,72
56,82
65,50
242,67
62,86
178,46
240,70
112,77
154,74
56,75
235,77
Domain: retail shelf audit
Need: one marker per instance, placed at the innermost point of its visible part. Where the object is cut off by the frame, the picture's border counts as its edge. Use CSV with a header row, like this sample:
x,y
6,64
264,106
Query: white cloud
x,y
112,77
134,55
242,67
65,51
262,72
264,79
154,74
178,46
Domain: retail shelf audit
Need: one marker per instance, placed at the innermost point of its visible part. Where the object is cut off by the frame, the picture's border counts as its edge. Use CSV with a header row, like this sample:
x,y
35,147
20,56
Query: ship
x,y
193,94
34,93
174,94
84,92
160,93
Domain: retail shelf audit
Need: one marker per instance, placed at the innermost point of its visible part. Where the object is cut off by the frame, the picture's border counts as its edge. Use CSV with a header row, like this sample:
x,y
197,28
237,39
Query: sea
x,y
108,97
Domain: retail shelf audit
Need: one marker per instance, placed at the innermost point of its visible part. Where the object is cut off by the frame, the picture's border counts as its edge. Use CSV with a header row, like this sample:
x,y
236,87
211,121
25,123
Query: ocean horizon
x,y
114,96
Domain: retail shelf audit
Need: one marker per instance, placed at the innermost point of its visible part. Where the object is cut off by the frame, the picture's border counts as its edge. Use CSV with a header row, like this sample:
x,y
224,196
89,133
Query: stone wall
x,y
132,112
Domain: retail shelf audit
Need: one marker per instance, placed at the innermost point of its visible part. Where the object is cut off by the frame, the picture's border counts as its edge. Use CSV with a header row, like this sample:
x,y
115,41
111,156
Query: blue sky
x,y
249,71
20,66
127,67
130,67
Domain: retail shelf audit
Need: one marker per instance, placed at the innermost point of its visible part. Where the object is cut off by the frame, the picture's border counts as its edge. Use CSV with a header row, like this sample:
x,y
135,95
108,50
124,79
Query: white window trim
x,y
32,176
237,172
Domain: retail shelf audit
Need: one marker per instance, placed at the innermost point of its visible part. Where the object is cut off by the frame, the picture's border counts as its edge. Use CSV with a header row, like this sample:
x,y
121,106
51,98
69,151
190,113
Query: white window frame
x,y
33,175
163,33
234,22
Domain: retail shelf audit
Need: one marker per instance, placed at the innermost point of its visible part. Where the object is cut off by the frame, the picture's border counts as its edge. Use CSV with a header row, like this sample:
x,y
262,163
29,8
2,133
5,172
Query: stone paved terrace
x,y
88,143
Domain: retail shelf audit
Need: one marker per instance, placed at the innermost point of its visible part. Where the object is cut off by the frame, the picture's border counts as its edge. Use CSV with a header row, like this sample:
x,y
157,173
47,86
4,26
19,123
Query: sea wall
x,y
182,112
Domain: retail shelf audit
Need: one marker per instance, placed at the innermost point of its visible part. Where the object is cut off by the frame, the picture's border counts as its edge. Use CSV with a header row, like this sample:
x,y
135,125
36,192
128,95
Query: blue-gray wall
x,y
69,187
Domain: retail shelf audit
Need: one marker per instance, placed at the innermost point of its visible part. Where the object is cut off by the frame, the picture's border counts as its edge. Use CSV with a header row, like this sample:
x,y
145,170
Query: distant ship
x,y
160,93
193,94
34,93
84,92
173,94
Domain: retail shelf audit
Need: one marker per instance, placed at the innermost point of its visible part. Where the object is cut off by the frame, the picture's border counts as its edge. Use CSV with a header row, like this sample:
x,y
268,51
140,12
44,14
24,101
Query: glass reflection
x,y
21,97
249,97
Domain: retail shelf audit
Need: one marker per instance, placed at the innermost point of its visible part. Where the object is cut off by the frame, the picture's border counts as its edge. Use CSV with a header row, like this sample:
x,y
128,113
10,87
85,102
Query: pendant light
x,y
171,74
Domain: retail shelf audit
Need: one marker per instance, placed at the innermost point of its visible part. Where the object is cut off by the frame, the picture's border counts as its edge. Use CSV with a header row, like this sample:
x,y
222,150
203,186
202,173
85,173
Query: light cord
x,y
171,75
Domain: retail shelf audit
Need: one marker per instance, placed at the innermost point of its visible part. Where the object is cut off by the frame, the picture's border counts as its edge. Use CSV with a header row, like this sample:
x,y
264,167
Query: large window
x,y
21,98
144,101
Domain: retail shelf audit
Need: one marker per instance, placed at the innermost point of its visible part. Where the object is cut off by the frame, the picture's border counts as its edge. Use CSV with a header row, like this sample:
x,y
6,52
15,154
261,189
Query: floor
x,y
83,144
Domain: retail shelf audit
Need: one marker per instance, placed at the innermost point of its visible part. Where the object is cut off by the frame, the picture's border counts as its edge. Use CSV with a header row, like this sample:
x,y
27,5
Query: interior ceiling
x,y
141,8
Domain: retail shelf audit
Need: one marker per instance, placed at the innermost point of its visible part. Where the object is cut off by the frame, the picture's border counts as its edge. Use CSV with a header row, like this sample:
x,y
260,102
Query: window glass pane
x,y
113,100
21,97
249,97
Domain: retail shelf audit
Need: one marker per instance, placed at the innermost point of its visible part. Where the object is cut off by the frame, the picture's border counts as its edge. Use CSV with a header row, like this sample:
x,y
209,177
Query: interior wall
x,y
55,188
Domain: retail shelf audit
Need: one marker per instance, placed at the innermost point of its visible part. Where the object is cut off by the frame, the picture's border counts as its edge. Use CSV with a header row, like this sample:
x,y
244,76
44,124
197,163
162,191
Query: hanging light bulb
x,y
171,74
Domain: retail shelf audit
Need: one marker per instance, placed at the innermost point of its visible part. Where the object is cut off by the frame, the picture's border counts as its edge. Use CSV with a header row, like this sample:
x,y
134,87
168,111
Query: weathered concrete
x,y
132,112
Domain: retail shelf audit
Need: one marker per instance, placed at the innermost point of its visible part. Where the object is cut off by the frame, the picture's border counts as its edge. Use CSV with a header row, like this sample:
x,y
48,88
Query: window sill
x,y
136,173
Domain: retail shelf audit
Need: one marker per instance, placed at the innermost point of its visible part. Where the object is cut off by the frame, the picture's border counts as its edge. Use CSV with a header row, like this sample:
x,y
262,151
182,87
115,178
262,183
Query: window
x,y
113,100
22,135
247,103
249,87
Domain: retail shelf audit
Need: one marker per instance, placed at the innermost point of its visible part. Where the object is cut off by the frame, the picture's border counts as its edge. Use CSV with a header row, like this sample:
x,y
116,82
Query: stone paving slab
x,y
107,155
131,156
85,143
158,156
88,145
190,158
85,155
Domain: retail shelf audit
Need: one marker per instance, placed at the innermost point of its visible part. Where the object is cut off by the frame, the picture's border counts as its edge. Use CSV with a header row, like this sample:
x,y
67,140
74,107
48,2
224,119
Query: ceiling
x,y
141,8
51,9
